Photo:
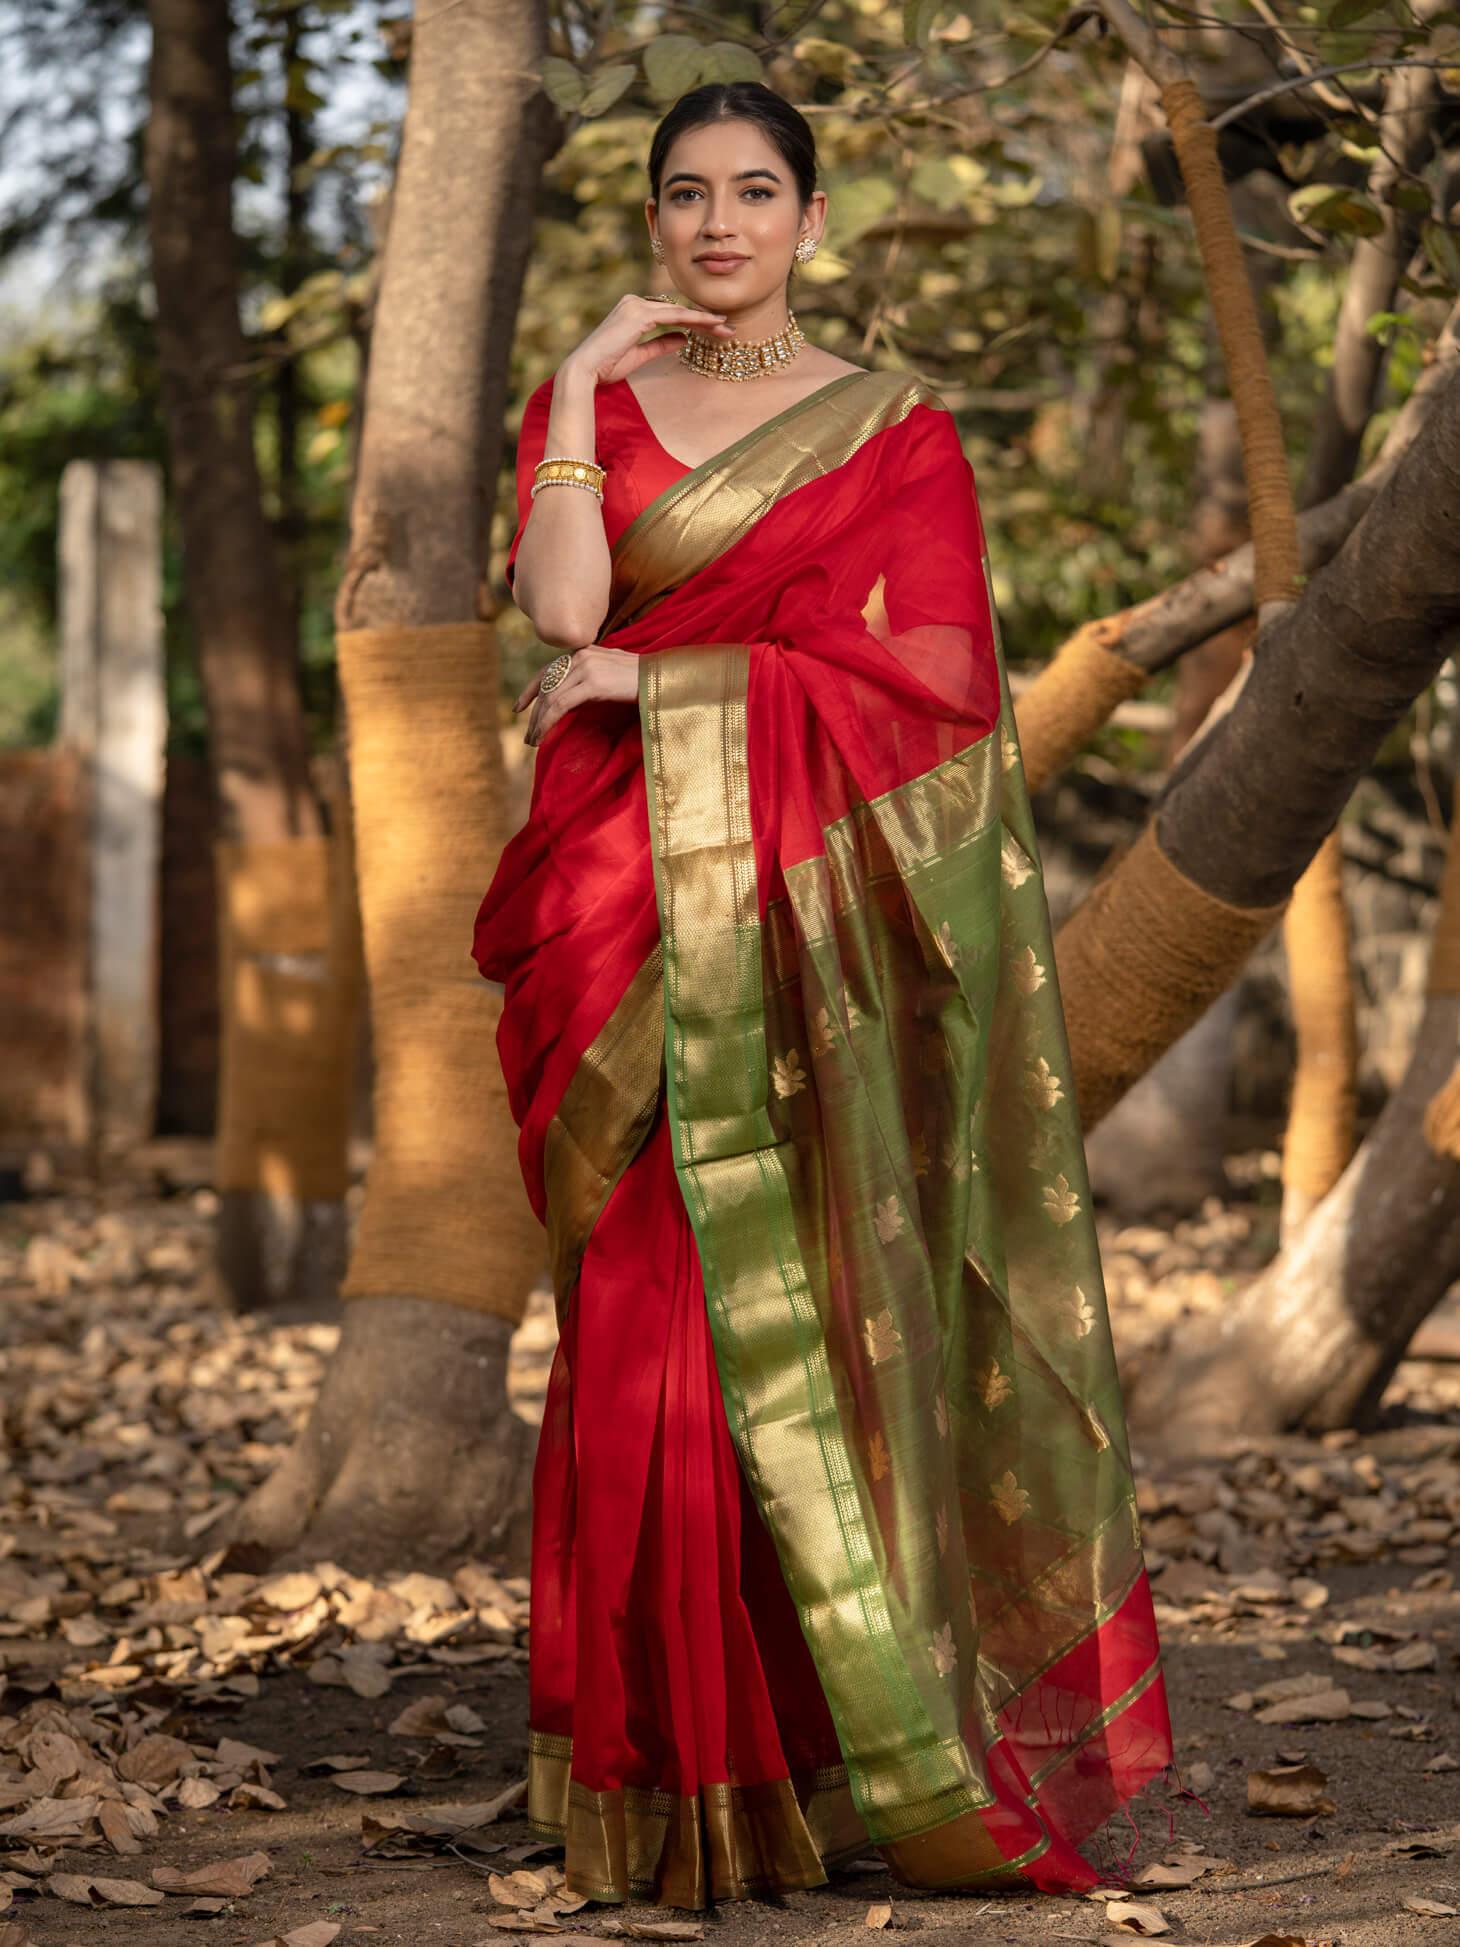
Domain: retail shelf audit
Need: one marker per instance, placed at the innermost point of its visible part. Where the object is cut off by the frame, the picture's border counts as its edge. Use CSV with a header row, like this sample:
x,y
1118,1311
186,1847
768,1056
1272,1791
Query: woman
x,y
835,1539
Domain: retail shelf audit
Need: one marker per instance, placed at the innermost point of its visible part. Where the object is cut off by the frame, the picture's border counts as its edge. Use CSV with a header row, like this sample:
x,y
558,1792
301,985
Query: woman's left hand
x,y
598,675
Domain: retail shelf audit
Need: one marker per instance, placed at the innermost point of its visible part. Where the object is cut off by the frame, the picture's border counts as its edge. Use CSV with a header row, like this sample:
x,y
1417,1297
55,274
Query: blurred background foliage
x,y
1000,224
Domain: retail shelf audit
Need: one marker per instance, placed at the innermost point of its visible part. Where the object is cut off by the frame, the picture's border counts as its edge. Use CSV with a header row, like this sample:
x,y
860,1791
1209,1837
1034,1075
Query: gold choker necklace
x,y
736,362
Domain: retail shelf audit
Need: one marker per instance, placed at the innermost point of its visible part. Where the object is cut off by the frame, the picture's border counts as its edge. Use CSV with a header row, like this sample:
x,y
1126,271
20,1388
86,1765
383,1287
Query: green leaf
x,y
1329,206
727,61
672,66
1410,196
1443,252
918,17
938,183
1343,13
564,86
856,206
608,85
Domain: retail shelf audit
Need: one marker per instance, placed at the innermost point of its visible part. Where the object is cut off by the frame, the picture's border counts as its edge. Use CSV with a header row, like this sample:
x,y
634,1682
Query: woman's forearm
x,y
562,574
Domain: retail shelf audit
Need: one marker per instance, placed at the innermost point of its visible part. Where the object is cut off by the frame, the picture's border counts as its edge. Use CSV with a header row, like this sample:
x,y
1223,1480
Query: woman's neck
x,y
758,321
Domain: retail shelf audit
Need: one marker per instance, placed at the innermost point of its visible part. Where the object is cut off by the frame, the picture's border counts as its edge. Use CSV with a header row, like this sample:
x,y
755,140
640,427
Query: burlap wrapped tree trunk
x,y
1372,1261
412,1454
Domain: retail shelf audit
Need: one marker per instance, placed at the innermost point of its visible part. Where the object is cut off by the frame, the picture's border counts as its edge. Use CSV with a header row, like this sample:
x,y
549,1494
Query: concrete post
x,y
114,713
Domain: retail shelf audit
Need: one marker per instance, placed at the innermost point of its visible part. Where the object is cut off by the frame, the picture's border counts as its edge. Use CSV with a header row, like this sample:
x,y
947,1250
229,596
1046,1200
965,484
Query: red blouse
x,y
638,467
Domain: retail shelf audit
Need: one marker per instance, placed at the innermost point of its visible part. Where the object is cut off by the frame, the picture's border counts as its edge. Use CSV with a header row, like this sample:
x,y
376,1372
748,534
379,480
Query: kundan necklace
x,y
749,361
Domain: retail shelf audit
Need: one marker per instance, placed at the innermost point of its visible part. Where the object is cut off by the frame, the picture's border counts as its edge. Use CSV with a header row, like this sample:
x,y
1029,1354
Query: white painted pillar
x,y
114,712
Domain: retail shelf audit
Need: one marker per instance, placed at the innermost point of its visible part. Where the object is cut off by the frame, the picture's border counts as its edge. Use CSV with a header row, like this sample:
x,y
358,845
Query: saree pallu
x,y
783,1036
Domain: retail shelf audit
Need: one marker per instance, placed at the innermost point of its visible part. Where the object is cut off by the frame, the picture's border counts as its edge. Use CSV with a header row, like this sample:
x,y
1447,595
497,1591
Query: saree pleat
x,y
878,1489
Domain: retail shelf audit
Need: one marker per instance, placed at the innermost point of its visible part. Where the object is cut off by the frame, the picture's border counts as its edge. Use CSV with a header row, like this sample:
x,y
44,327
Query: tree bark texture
x,y
1250,804
1109,660
281,1134
246,647
1405,141
448,1248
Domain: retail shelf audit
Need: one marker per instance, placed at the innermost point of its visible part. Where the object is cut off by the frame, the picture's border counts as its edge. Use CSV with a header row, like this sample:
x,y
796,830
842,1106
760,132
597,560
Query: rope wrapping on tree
x,y
1264,459
1321,1118
1442,1115
426,778
290,982
1140,961
1071,697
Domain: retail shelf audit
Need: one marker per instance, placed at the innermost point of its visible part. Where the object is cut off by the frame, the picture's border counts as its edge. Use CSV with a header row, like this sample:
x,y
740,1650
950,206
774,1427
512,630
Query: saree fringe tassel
x,y
1139,963
429,794
1071,697
290,985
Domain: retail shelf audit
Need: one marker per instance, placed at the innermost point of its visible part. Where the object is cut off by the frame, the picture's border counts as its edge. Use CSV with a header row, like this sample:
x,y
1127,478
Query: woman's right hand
x,y
615,348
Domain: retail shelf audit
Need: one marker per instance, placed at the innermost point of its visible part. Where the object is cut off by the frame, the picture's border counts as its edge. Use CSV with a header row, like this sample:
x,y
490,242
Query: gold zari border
x,y
696,520
602,1121
728,1842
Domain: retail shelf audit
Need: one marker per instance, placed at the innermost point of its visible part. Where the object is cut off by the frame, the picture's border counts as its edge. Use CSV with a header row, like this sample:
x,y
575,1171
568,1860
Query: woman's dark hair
x,y
739,101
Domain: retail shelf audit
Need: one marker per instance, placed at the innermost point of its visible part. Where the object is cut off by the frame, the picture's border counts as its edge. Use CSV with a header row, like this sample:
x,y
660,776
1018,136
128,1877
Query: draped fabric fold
x,y
796,912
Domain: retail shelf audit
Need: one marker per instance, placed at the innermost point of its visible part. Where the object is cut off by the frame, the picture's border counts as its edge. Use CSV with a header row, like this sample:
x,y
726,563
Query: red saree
x,y
834,1530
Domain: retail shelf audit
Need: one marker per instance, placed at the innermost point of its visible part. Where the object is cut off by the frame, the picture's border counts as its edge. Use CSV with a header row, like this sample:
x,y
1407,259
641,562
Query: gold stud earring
x,y
658,249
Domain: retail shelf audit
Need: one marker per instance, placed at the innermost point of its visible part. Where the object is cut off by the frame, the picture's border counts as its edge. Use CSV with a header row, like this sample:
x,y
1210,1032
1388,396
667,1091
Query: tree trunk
x,y
1320,1133
1253,800
1374,1259
448,1247
286,994
1405,140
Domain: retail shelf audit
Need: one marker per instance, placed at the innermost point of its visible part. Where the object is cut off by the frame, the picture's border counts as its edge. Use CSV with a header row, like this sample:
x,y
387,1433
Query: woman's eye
x,y
683,195
758,190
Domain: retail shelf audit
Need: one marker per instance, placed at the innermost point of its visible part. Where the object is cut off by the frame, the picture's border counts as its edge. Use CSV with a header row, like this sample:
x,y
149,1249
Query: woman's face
x,y
729,216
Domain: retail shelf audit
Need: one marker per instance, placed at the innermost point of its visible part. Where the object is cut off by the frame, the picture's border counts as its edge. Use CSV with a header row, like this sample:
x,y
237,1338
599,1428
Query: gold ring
x,y
554,675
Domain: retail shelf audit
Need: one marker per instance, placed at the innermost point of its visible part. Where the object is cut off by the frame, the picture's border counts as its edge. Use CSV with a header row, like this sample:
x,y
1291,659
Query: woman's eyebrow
x,y
745,175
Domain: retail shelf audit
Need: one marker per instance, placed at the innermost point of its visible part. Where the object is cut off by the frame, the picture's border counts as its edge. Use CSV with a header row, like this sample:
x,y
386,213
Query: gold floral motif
x,y
994,1385
882,1336
1008,749
1060,1202
1010,1499
918,1153
879,1461
1015,865
940,1529
788,1074
823,1039
940,1415
955,1158
1043,1087
854,1013
944,1655
1028,973
889,1220
946,944
1081,1314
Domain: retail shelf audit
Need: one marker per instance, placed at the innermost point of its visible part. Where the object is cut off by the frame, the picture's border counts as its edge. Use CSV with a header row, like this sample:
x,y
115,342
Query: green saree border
x,y
906,1776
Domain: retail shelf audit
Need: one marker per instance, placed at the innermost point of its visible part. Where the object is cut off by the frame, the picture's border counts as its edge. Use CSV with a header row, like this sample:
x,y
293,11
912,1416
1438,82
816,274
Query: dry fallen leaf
x,y
81,1890
520,1889
1175,1872
318,1933
521,1922
1436,1909
1133,1916
229,1878
879,1915
1294,1791
1309,1707
367,1784
13,1934
337,1761
655,1929
114,1822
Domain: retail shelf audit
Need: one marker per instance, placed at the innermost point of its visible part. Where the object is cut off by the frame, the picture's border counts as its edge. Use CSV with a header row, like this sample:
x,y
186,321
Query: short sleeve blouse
x,y
638,468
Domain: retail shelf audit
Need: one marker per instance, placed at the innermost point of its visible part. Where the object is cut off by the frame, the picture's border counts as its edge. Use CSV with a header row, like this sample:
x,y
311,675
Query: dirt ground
x,y
161,1713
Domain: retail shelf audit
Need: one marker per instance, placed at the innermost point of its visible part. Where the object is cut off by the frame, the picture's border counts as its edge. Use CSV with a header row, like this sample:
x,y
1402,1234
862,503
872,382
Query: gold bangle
x,y
597,492
568,473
